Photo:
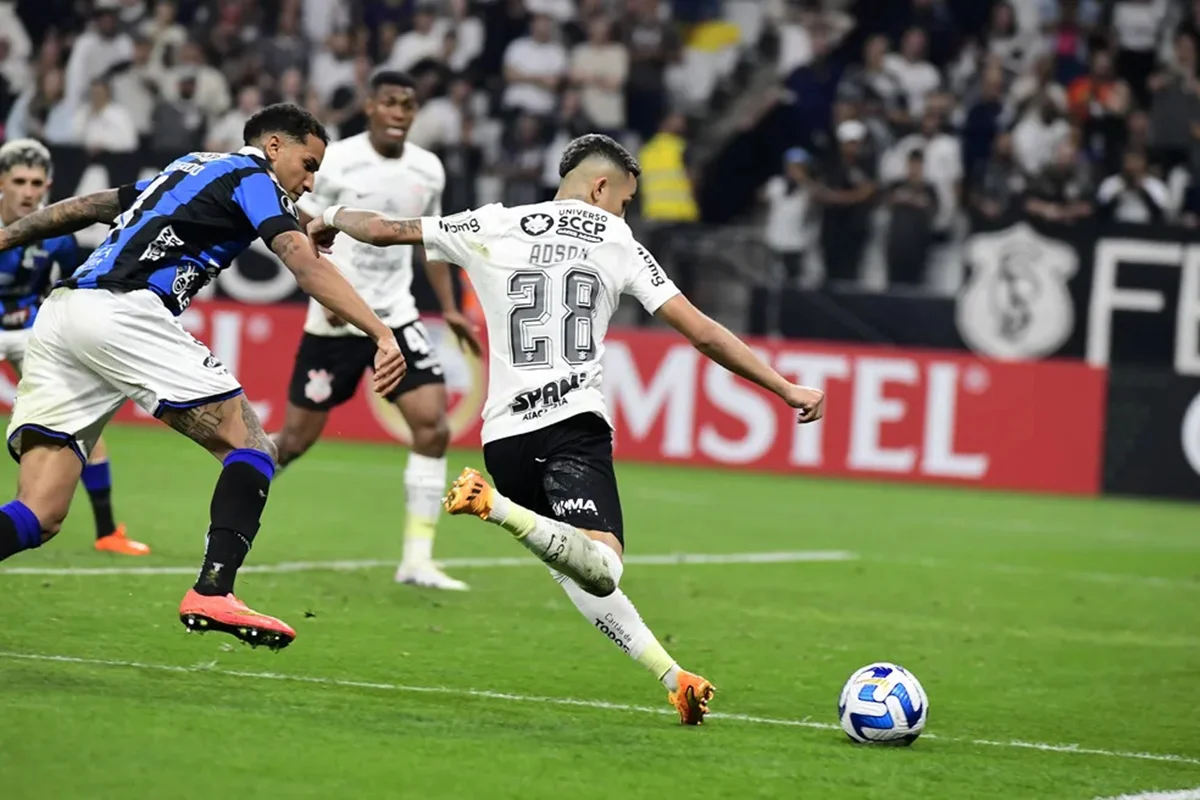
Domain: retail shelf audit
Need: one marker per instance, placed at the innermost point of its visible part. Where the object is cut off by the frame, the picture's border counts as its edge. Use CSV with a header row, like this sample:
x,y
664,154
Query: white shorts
x,y
91,349
12,345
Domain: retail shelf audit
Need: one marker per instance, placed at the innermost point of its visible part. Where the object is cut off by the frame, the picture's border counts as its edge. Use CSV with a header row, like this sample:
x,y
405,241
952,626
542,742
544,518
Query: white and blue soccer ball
x,y
883,703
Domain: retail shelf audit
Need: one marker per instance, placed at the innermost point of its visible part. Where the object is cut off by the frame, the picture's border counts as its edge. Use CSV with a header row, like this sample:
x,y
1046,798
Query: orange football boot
x,y
470,494
117,542
691,701
227,614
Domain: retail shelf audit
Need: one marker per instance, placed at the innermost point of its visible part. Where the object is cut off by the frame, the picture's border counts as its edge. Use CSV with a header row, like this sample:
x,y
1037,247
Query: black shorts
x,y
329,368
563,471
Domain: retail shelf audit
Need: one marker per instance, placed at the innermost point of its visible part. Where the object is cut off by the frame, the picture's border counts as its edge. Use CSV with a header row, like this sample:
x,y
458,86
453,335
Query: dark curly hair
x,y
599,146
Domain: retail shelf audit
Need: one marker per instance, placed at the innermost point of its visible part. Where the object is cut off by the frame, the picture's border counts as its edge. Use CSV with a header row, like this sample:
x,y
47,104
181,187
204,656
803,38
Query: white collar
x,y
249,150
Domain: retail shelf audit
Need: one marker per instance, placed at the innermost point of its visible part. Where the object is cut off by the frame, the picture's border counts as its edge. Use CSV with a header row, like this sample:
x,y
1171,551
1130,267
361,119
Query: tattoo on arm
x,y
286,245
376,229
65,216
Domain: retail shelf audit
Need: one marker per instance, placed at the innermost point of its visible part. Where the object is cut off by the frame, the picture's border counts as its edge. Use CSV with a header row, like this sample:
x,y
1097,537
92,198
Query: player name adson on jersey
x,y
535,402
549,255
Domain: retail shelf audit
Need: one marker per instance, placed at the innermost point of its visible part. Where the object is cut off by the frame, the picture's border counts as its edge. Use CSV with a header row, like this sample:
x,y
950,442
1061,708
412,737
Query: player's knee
x,y
51,512
288,445
433,437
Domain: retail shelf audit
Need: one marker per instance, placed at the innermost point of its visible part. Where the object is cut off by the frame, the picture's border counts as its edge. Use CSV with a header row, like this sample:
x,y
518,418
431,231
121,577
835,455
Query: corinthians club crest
x,y
1015,304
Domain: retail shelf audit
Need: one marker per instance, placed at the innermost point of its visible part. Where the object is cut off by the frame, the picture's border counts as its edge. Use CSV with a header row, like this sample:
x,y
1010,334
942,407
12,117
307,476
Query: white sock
x,y
565,548
617,619
424,484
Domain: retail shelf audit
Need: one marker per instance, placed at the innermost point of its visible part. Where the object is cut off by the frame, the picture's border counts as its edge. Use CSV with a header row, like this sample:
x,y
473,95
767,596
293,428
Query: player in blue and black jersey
x,y
26,275
109,332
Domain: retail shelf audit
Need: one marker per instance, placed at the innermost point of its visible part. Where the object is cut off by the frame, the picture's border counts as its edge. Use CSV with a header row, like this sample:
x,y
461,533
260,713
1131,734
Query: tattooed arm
x,y
367,226
65,216
322,281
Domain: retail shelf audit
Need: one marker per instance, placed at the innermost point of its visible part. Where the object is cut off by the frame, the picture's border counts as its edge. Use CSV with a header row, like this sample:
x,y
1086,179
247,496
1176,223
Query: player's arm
x,y
369,227
63,217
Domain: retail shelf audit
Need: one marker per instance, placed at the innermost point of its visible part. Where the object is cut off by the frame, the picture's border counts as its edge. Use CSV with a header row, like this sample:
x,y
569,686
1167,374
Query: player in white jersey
x,y
549,277
380,171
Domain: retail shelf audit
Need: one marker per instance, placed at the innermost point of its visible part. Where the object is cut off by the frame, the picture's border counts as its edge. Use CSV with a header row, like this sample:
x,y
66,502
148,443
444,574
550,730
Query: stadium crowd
x,y
904,118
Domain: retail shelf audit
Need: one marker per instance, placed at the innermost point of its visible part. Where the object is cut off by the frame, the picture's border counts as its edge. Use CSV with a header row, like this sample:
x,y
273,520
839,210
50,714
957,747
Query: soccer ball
x,y
883,703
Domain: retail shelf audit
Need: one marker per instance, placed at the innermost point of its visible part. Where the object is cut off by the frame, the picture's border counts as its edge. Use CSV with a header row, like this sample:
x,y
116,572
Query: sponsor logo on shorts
x,y
585,226
537,224
320,385
212,362
574,504
535,402
613,630
452,225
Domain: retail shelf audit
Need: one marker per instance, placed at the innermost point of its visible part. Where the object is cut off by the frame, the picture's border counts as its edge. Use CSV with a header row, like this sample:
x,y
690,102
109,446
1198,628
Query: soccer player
x,y
26,275
379,170
549,277
109,333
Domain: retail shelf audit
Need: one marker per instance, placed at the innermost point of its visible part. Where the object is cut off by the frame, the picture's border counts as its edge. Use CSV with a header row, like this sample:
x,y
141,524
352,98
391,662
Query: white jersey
x,y
549,277
355,174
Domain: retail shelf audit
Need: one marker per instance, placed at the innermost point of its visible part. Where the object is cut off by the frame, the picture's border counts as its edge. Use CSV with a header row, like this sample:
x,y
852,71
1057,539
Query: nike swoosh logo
x,y
540,460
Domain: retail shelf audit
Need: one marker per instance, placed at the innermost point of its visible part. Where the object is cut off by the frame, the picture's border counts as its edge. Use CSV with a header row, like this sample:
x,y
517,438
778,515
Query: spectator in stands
x,y
470,36
332,67
913,202
795,40
847,192
440,121
521,162
668,198
789,198
984,120
43,113
1037,134
1091,95
179,121
210,91
226,135
600,67
534,68
654,45
320,17
941,158
1106,134
571,122
1175,110
1133,194
14,65
97,50
287,49
916,76
102,126
873,80
999,183
1016,48
814,89
462,158
1068,35
1137,25
167,37
933,17
426,40
1063,190
135,87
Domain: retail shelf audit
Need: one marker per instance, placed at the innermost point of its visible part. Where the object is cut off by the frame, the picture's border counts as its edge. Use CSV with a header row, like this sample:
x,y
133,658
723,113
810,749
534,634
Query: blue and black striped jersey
x,y
26,274
181,228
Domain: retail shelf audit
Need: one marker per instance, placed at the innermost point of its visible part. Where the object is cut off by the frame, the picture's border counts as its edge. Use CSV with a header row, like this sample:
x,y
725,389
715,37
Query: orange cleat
x,y
117,542
691,701
227,614
470,494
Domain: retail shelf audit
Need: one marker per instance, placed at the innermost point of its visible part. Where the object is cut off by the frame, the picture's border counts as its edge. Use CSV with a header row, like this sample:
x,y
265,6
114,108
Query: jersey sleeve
x,y
456,238
647,282
267,207
127,194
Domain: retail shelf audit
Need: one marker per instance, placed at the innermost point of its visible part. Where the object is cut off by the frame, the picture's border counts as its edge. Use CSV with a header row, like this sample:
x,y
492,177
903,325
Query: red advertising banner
x,y
892,414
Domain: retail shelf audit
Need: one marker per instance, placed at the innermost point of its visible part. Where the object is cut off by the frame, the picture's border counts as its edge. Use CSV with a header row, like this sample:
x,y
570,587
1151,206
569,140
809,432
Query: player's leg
x,y
326,374
47,476
421,400
97,480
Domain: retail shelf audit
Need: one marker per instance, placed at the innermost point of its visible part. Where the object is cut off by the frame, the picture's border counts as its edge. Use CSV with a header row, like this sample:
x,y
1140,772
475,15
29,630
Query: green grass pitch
x,y
1058,639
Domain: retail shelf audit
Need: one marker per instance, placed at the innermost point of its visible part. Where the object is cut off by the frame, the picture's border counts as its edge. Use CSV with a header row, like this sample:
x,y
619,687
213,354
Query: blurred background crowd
x,y
852,141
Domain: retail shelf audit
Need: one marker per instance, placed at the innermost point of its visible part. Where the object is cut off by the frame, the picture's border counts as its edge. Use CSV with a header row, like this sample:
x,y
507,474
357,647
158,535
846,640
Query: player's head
x,y
293,140
391,108
24,178
596,169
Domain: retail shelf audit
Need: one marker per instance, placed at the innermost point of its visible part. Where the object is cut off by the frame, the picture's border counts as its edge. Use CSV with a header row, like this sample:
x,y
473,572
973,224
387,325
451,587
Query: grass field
x,y
1058,639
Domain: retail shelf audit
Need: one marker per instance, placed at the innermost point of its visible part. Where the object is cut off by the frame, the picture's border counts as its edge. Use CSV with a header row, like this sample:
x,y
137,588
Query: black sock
x,y
10,541
237,505
98,481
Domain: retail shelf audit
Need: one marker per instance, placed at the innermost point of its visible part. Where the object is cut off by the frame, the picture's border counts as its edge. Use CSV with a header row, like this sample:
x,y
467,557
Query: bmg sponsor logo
x,y
460,225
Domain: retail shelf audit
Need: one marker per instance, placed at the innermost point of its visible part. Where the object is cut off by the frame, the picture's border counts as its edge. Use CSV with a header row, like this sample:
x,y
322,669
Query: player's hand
x,y
321,235
389,366
810,403
464,331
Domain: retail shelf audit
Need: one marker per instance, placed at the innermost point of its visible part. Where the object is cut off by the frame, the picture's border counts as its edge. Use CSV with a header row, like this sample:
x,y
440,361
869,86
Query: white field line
x,y
665,559
1182,794
213,669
